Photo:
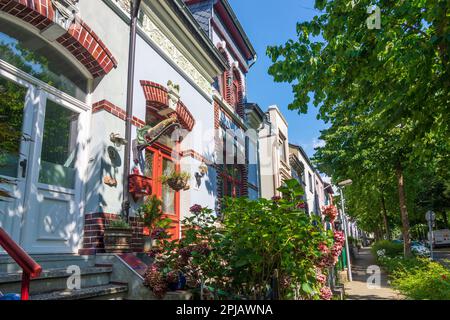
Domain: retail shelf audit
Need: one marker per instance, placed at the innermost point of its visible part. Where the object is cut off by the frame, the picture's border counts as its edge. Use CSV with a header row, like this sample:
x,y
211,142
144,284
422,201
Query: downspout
x,y
135,5
258,159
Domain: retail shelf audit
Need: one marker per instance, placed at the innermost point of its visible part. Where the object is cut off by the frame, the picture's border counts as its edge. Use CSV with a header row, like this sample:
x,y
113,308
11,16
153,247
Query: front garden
x,y
264,249
417,277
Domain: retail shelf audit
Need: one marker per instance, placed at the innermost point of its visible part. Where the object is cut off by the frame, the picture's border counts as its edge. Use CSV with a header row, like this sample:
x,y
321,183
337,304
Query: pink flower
x,y
321,278
323,248
339,237
325,293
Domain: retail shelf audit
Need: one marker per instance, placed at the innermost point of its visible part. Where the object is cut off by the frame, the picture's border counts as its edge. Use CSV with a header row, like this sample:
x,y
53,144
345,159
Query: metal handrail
x,y
31,269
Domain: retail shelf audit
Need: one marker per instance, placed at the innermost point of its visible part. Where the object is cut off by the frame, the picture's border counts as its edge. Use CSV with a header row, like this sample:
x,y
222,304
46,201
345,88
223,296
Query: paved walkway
x,y
358,290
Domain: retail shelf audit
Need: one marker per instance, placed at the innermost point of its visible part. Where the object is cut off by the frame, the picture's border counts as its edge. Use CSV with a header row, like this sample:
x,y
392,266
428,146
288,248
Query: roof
x,y
303,153
275,107
186,14
227,14
256,109
240,28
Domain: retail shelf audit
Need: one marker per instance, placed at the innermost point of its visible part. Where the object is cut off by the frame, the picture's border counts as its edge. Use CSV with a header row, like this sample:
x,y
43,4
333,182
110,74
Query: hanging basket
x,y
178,183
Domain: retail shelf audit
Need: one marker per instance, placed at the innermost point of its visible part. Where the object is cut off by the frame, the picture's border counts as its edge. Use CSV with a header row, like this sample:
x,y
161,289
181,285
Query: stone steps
x,y
104,292
55,279
96,279
48,261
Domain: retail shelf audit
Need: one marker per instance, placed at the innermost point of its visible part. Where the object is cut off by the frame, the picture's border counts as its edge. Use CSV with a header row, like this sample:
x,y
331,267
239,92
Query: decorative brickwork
x,y
80,40
116,111
157,97
240,96
94,230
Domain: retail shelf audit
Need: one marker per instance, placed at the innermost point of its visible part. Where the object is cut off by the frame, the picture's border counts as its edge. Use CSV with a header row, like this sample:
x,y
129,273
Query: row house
x,y
63,87
65,108
317,192
274,152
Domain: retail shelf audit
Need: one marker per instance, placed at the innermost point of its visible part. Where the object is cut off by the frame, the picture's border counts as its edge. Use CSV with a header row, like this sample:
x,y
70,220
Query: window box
x,y
139,186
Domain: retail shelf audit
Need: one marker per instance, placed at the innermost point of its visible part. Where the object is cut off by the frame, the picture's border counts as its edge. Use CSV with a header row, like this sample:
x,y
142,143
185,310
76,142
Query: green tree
x,y
384,91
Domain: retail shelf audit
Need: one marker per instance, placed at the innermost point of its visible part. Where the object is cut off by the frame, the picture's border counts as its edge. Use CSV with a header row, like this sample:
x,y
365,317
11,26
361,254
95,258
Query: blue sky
x,y
273,23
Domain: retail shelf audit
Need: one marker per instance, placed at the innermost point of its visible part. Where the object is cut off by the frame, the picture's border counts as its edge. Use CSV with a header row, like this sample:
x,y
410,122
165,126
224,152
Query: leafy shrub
x,y
118,224
255,246
400,264
387,248
151,214
422,280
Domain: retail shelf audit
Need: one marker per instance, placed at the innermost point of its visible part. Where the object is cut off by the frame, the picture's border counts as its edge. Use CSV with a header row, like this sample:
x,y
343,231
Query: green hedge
x,y
416,278
391,249
422,280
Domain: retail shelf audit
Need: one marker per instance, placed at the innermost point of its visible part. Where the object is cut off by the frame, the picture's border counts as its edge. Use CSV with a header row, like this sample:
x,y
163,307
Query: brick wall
x,y
94,230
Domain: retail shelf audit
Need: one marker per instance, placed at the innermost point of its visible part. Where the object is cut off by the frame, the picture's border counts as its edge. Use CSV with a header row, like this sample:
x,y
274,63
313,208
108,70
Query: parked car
x,y
417,247
420,249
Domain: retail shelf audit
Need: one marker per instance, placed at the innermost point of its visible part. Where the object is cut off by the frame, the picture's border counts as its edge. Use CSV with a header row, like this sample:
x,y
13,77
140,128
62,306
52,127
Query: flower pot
x,y
139,186
117,240
173,286
181,282
149,243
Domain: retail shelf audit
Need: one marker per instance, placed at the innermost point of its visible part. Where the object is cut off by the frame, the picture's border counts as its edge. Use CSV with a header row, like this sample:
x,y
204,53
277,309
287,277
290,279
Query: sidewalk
x,y
358,290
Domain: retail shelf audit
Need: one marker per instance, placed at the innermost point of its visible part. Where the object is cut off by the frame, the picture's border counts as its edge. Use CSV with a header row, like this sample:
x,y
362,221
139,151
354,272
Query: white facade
x,y
274,153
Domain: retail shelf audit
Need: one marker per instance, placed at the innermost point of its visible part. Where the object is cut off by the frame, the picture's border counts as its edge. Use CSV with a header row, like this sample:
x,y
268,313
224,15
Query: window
x,y
232,181
12,100
28,52
231,169
236,98
252,162
282,148
225,84
59,146
310,182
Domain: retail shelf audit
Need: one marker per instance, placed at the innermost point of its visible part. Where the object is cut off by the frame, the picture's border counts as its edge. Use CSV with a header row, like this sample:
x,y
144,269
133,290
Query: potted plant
x,y
177,180
150,212
117,237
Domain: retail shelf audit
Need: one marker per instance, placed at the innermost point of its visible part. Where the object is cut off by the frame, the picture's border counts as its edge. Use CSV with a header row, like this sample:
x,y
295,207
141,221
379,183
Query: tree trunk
x,y
403,211
385,218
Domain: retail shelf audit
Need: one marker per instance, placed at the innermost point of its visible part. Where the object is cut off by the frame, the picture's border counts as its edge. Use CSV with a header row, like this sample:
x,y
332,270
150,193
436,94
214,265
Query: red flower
x,y
301,205
276,198
330,212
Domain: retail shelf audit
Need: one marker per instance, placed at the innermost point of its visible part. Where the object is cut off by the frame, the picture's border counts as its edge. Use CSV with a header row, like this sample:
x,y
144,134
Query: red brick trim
x,y
94,230
157,98
80,40
197,156
116,111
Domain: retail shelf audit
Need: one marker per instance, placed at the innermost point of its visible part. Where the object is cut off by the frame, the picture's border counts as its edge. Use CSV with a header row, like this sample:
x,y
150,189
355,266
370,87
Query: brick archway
x,y
80,40
157,97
